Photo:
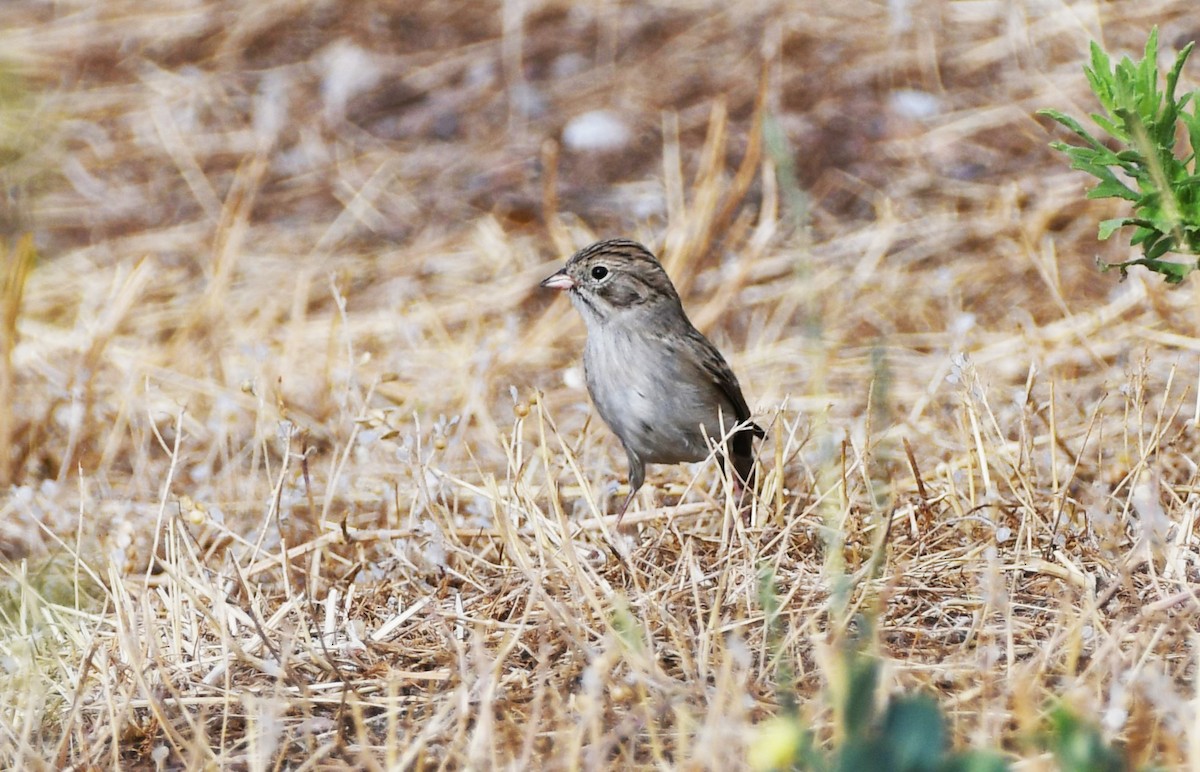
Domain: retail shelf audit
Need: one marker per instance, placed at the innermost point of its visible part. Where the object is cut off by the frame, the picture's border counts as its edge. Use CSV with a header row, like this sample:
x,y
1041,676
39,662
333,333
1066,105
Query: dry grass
x,y
283,496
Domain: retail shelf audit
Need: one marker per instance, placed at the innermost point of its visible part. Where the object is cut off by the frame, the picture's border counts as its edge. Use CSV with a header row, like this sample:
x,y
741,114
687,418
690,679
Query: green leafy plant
x,y
1078,746
1143,166
908,735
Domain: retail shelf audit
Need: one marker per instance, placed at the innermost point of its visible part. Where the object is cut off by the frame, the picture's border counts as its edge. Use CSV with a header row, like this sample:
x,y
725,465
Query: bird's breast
x,y
652,400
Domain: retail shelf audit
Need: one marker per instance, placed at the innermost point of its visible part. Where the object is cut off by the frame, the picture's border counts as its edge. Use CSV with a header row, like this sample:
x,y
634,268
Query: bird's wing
x,y
718,370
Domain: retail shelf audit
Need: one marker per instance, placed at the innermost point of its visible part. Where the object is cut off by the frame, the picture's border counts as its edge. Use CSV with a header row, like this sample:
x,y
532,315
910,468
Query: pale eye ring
x,y
599,272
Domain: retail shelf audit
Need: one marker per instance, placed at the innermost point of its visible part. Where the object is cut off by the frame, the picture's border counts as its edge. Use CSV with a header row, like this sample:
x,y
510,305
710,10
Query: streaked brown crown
x,y
618,274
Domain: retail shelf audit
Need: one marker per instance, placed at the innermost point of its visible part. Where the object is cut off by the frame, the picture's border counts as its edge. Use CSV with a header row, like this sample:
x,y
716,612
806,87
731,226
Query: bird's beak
x,y
559,281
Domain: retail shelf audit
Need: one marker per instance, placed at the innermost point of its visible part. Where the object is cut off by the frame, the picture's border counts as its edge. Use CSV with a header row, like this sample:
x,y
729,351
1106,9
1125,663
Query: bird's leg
x,y
625,506
734,477
740,474
637,476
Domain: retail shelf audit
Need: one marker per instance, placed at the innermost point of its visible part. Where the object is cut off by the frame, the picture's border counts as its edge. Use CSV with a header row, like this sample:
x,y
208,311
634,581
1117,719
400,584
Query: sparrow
x,y
658,383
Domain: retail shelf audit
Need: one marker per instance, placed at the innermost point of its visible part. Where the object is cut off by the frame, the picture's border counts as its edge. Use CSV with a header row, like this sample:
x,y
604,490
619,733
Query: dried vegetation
x,y
302,473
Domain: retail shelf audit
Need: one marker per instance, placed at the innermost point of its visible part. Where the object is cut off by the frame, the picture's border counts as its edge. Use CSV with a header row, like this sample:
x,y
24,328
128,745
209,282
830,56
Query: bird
x,y
661,386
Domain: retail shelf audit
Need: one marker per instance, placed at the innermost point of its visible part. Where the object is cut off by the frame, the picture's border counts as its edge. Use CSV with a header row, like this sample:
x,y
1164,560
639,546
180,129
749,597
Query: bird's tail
x,y
742,452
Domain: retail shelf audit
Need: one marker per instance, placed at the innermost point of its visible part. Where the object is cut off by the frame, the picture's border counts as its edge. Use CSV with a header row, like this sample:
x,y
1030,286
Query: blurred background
x,y
206,182
282,262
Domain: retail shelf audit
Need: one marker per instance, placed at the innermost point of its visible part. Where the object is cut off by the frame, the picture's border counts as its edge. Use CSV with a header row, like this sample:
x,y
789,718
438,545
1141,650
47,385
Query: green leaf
x,y
1191,122
1113,130
1075,127
975,761
1156,249
1144,235
914,733
862,676
1062,118
1173,75
1108,227
1079,747
1111,187
857,756
1100,75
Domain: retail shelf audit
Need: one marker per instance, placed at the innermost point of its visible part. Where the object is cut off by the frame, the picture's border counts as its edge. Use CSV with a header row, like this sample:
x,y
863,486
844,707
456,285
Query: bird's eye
x,y
599,272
